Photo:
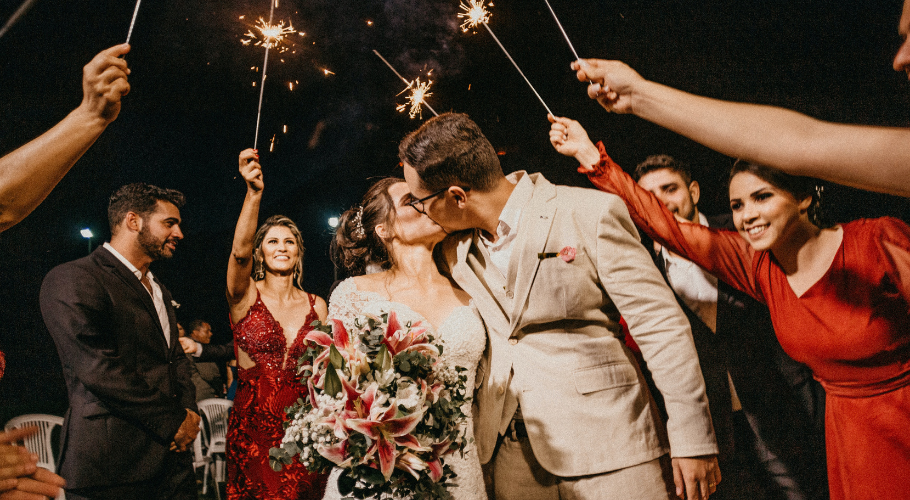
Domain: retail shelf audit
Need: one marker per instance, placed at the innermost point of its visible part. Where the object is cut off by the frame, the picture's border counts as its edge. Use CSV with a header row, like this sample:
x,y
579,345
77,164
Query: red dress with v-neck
x,y
255,424
852,328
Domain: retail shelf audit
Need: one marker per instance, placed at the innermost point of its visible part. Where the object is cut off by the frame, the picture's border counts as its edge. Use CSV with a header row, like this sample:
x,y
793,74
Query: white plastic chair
x,y
39,443
215,416
200,460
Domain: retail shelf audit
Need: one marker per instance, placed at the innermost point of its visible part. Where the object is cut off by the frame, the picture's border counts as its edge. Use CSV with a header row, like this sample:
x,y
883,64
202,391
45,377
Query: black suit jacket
x,y
783,403
128,390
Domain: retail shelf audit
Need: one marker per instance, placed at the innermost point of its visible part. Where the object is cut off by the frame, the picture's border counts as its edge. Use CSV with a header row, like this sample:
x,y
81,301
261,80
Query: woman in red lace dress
x,y
270,314
839,298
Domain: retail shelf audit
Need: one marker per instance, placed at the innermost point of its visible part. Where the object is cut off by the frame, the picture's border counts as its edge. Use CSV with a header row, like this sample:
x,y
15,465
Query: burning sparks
x,y
473,15
326,72
269,36
419,92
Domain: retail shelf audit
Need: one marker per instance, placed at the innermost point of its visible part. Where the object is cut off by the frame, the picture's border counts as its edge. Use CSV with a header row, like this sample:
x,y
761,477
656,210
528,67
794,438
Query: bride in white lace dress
x,y
388,232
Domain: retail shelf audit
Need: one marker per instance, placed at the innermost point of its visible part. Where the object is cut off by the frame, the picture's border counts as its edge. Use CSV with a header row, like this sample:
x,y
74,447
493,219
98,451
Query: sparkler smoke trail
x,y
475,14
563,30
129,34
419,92
27,4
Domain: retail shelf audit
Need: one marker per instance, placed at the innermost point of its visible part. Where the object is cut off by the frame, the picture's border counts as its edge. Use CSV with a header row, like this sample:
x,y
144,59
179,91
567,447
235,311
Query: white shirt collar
x,y
511,212
129,265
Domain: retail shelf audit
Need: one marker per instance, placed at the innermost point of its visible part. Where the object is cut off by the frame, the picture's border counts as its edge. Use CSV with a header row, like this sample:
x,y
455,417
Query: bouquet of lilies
x,y
382,405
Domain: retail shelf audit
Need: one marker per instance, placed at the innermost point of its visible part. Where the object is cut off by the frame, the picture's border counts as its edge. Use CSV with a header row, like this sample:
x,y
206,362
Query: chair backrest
x,y
198,456
39,443
215,414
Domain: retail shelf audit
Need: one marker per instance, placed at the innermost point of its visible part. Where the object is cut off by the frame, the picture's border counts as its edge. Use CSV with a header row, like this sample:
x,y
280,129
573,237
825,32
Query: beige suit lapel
x,y
534,230
476,275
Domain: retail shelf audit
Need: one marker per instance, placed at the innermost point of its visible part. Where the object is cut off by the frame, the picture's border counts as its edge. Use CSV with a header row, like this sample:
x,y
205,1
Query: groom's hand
x,y
696,478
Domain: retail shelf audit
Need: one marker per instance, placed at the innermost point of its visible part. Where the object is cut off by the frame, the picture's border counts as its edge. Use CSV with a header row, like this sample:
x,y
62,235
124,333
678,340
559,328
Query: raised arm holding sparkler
x,y
28,174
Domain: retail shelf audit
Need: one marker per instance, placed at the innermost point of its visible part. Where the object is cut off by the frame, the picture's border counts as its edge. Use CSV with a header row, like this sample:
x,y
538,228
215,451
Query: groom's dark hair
x,y
450,150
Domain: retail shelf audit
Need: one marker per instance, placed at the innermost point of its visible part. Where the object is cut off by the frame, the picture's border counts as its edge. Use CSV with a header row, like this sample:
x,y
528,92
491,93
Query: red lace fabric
x,y
255,425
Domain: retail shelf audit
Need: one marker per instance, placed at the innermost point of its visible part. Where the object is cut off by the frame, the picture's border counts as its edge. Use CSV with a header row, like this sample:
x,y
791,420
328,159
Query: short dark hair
x,y
140,198
663,162
450,150
196,323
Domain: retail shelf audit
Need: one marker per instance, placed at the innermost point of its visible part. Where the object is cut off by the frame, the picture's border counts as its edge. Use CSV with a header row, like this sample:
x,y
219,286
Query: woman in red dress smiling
x,y
271,314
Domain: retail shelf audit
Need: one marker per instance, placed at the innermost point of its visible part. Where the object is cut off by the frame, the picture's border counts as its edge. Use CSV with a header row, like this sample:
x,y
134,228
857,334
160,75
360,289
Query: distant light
x,y
87,233
333,222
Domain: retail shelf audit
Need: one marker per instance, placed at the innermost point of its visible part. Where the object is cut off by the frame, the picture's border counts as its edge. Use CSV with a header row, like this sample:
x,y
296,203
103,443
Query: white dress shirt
x,y
157,296
507,229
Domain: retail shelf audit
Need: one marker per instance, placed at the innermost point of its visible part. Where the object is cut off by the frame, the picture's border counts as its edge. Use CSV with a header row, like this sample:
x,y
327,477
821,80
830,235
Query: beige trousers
x,y
518,476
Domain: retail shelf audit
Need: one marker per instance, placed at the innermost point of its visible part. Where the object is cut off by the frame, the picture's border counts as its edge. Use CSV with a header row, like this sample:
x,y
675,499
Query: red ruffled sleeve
x,y
725,254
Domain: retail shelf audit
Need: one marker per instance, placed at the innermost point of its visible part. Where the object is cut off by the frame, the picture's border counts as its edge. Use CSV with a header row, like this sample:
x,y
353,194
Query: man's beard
x,y
154,248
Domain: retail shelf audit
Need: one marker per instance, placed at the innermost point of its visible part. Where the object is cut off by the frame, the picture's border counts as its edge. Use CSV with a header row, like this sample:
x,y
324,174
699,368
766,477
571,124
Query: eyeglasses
x,y
418,204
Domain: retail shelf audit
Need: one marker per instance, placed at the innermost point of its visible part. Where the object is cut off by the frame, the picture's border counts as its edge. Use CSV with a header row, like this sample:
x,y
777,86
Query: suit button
x,y
513,341
509,294
502,390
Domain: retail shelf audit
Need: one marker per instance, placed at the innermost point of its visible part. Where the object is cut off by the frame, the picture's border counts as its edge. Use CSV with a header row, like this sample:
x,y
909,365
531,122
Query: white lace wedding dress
x,y
464,336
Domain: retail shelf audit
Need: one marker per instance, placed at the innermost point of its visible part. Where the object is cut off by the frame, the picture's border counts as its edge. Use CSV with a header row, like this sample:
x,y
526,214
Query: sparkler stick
x,y
475,14
418,93
563,30
27,4
129,34
265,65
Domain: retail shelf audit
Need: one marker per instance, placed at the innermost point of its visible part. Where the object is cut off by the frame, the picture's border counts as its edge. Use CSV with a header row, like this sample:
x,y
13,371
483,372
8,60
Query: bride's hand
x,y
251,170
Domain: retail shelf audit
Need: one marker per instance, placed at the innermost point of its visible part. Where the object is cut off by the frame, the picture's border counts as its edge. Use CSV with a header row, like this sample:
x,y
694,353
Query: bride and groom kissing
x,y
561,409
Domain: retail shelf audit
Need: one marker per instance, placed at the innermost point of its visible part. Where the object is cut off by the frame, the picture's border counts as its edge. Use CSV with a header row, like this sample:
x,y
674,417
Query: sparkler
x,y
561,29
418,92
476,13
129,34
270,36
27,4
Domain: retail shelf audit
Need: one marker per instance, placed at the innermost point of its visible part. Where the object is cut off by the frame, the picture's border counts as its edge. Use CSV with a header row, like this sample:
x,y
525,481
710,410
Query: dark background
x,y
192,108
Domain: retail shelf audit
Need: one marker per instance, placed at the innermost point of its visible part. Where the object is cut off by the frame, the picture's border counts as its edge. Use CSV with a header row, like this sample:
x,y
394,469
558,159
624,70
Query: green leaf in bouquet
x,y
332,382
370,475
346,482
383,359
336,358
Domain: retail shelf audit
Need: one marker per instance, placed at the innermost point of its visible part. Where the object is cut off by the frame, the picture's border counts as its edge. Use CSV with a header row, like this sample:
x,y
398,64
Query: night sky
x,y
192,108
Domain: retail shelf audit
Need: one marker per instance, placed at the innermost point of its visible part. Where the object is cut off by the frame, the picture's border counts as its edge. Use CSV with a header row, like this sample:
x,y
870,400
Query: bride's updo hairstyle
x,y
356,244
258,271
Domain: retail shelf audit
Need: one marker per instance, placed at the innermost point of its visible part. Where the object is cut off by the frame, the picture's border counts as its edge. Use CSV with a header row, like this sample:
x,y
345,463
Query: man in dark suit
x,y
132,413
767,409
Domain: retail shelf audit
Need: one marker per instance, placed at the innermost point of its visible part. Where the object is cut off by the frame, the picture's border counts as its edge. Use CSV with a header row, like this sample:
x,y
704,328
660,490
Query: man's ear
x,y
694,192
459,196
133,221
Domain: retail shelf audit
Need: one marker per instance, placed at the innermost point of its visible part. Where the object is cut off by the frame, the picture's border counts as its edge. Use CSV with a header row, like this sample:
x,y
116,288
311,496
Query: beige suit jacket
x,y
554,342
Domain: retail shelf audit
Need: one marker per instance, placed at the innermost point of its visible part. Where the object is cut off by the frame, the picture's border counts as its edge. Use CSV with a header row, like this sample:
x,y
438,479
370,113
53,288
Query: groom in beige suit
x,y
563,409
